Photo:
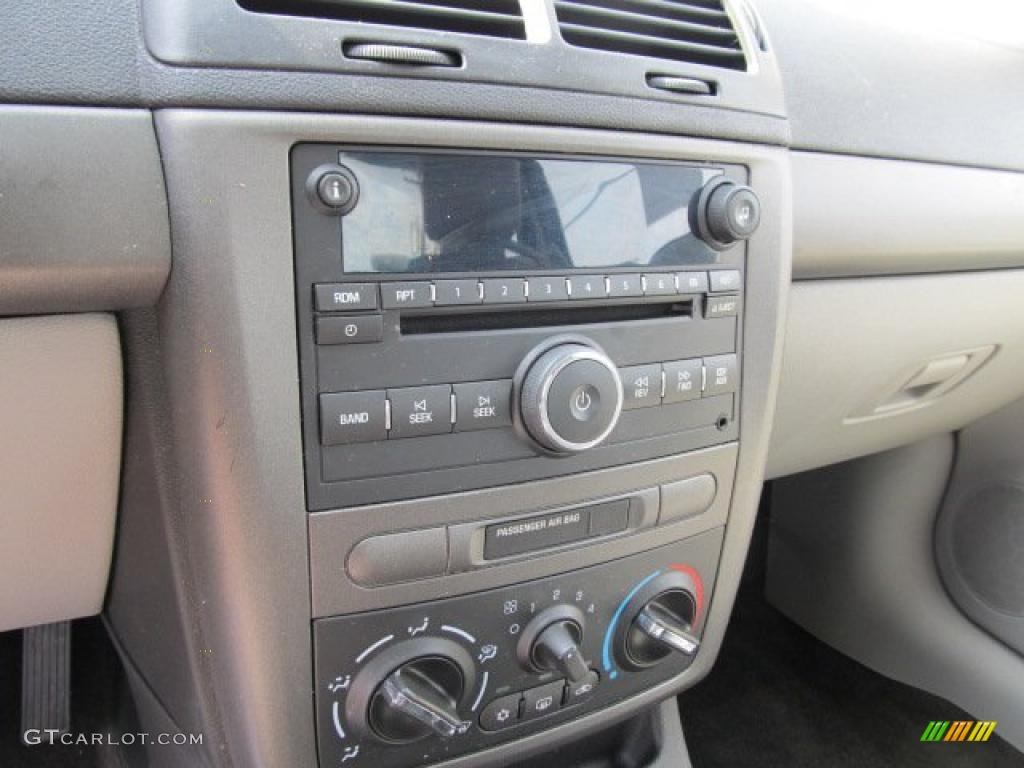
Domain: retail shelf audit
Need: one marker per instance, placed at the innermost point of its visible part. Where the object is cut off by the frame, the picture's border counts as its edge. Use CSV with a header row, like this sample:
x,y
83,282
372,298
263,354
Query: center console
x,y
520,395
458,453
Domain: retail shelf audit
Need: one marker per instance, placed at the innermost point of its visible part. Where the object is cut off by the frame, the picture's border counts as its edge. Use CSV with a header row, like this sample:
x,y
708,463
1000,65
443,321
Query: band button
x,y
353,417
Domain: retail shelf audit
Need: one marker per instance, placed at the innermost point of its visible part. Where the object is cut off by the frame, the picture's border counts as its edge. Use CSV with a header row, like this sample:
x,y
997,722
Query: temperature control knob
x,y
569,396
662,626
550,643
658,621
411,691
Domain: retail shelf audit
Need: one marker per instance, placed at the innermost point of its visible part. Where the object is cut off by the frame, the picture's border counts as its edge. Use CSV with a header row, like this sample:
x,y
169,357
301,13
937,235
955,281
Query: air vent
x,y
493,18
693,31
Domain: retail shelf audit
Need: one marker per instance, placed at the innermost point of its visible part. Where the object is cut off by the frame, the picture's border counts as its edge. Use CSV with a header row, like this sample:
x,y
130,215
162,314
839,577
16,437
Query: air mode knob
x,y
411,691
727,212
569,396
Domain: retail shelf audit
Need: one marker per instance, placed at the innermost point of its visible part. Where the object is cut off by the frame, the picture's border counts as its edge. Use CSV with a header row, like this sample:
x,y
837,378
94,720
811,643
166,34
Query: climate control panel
x,y
424,683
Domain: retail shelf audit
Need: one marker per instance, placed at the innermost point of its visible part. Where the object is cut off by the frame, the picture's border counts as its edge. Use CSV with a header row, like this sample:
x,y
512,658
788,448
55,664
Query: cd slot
x,y
540,317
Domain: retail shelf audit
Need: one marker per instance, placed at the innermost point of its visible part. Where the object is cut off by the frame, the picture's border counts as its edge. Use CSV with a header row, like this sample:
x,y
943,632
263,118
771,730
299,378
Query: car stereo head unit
x,y
469,319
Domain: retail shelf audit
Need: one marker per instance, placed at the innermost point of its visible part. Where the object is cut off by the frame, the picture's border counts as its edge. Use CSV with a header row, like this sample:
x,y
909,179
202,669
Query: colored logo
x,y
958,730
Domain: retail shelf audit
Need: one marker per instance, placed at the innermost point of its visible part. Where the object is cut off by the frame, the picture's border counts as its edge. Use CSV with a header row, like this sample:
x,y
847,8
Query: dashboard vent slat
x,y
691,31
492,18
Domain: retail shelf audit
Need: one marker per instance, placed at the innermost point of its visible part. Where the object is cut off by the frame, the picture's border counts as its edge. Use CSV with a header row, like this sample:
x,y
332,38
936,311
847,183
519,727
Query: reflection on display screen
x,y
423,213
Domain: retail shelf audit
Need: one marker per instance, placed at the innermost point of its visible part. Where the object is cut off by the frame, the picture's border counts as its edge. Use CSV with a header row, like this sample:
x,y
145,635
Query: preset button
x,y
455,292
620,286
504,291
547,289
692,282
587,287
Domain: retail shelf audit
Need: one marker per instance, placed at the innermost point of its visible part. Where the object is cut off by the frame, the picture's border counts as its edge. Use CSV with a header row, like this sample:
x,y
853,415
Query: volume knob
x,y
570,397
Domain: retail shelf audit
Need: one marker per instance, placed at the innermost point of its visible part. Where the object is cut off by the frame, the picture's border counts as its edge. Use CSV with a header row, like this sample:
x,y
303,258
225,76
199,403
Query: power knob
x,y
726,212
569,396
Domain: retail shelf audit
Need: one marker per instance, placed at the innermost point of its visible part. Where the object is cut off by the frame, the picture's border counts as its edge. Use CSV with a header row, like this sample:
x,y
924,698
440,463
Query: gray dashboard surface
x,y
83,214
902,78
855,216
80,52
874,79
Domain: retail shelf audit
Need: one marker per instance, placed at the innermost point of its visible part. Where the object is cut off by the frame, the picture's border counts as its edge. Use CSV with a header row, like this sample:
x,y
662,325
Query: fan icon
x,y
502,715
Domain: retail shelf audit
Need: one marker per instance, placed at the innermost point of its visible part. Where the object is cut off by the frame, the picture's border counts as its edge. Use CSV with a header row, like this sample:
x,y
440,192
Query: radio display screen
x,y
435,212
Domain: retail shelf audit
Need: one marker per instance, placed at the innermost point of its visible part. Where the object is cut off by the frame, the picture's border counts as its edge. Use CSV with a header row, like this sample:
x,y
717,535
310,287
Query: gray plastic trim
x,y
235,410
219,33
850,344
907,80
60,457
83,214
990,457
851,558
862,216
334,534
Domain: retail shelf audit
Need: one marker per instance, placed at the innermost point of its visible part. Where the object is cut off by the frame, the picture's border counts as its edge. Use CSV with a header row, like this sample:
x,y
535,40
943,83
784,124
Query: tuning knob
x,y
658,621
727,212
411,691
551,643
569,396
